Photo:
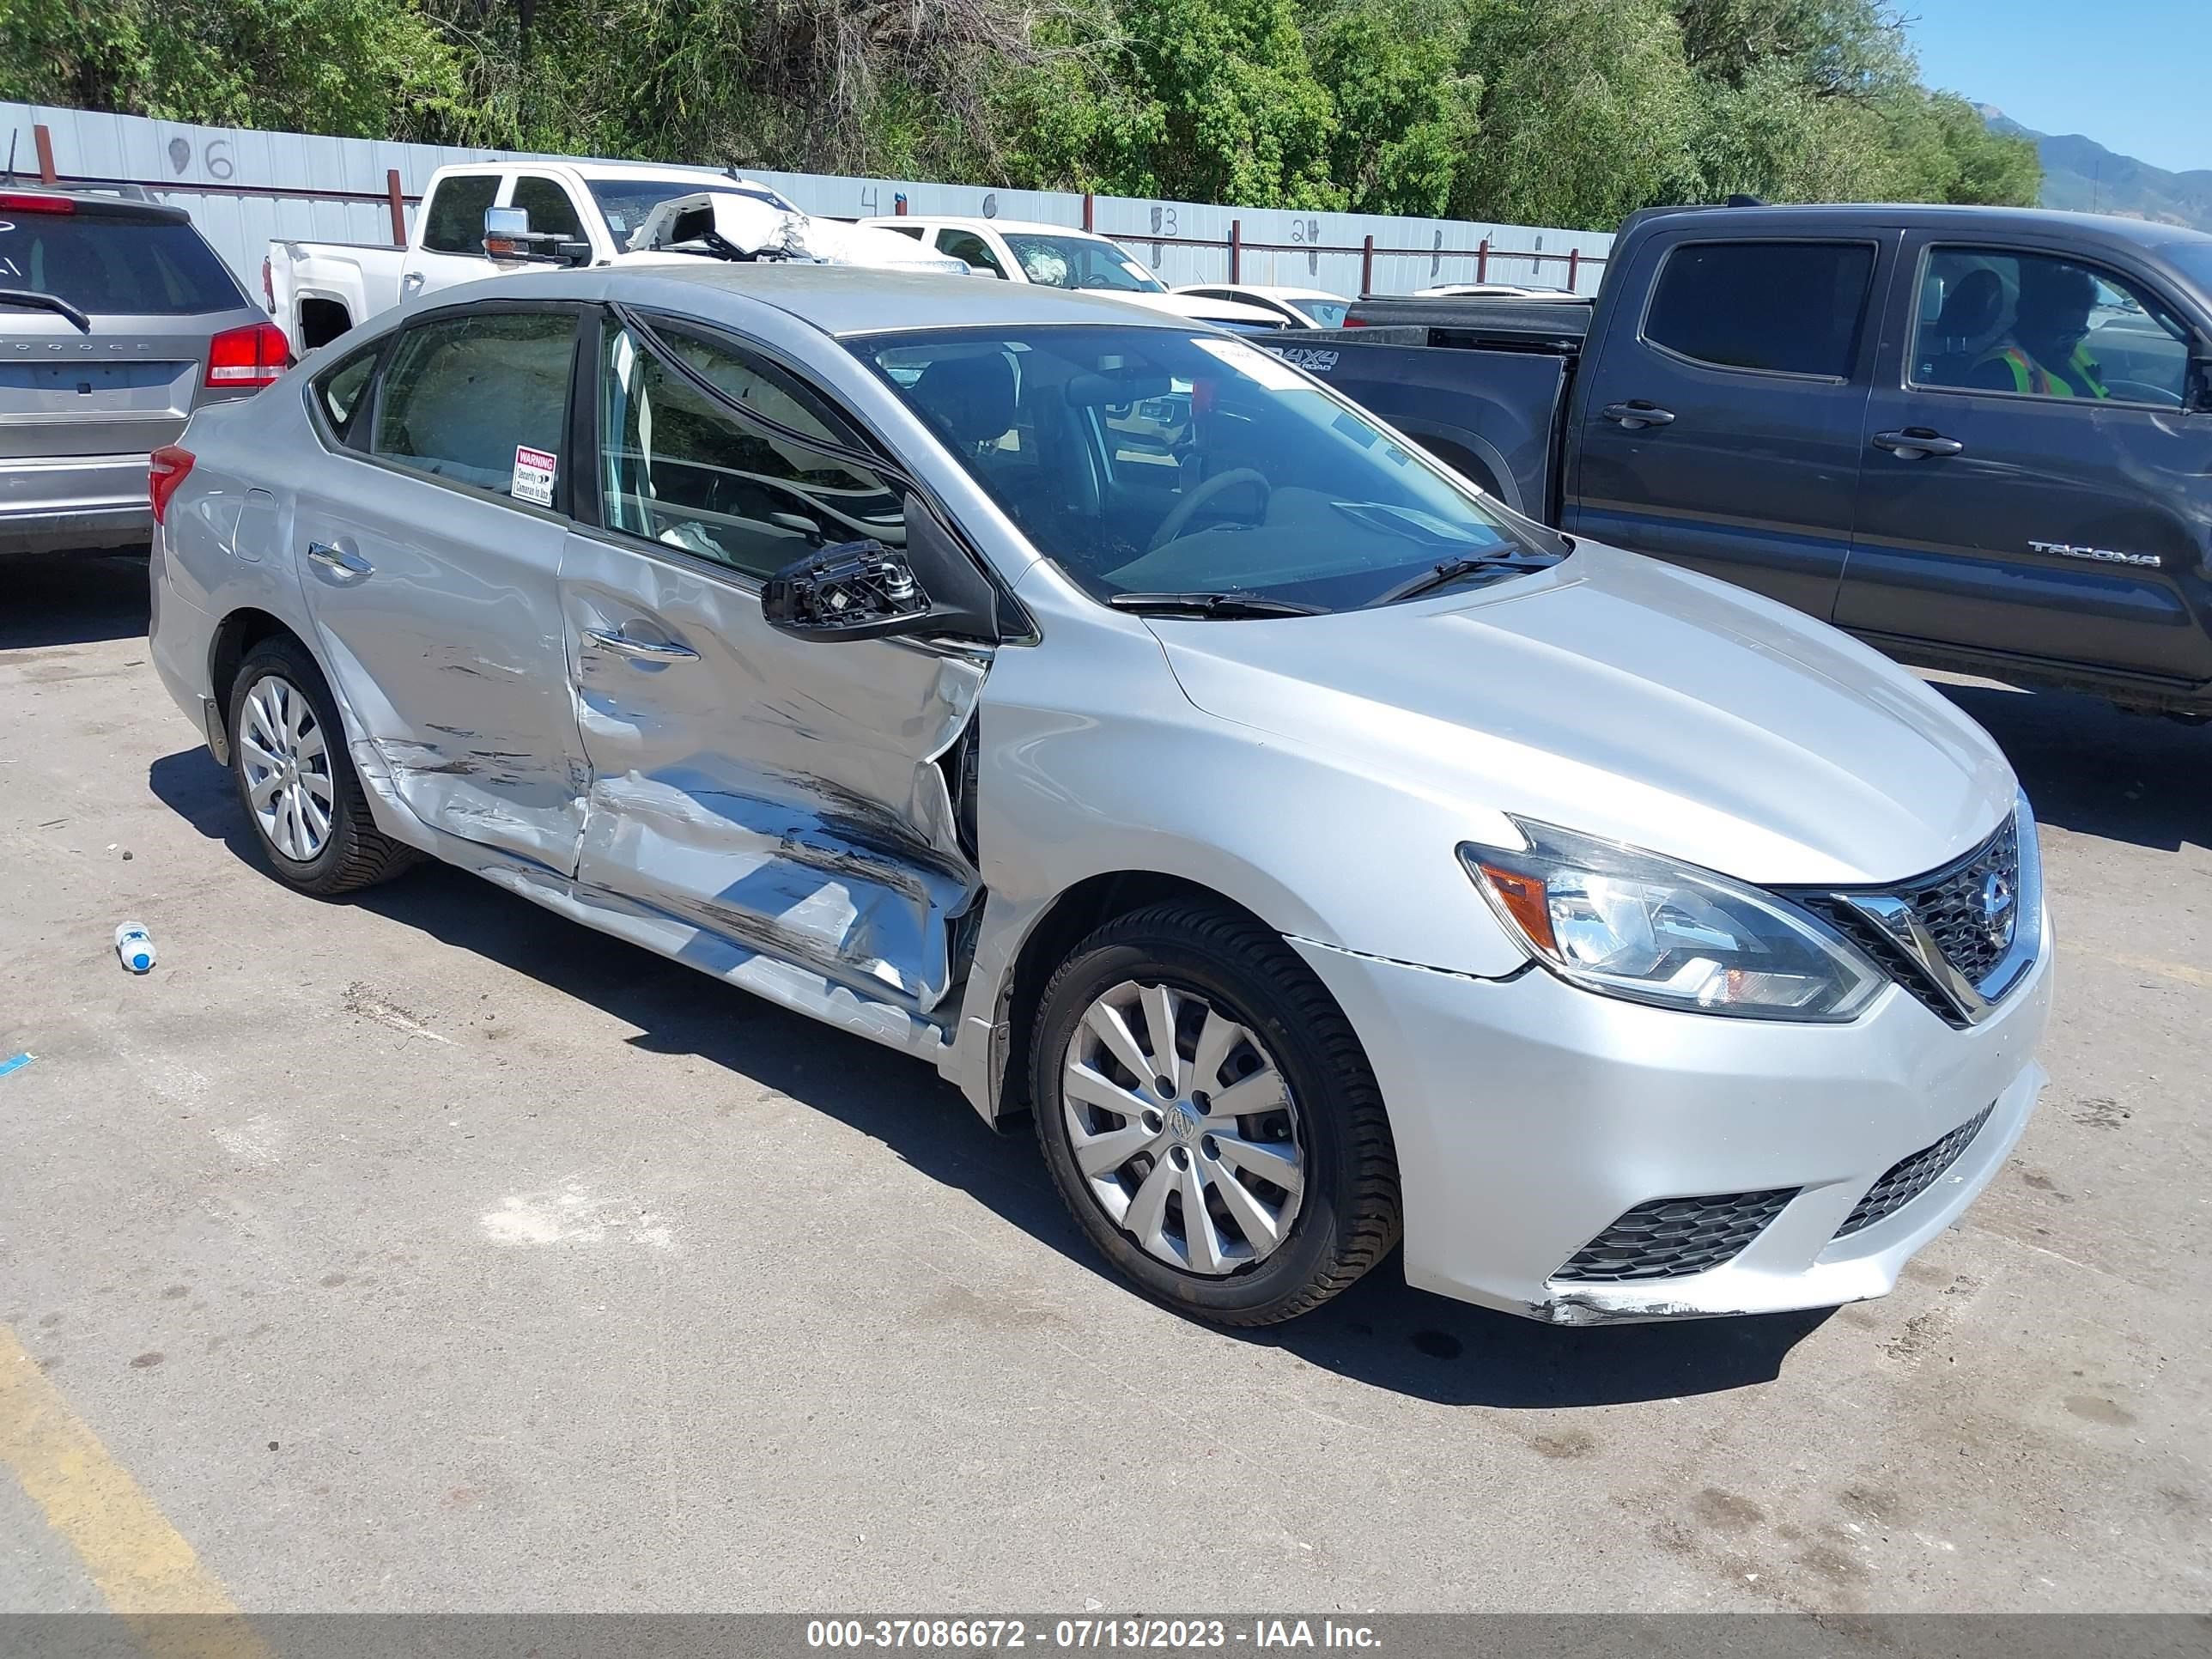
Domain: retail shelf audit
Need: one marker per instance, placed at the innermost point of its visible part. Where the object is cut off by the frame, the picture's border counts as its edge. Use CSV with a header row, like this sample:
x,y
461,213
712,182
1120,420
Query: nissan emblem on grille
x,y
1997,910
1954,936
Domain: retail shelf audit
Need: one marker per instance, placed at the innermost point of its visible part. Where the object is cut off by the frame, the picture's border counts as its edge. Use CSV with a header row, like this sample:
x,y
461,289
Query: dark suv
x,y
116,320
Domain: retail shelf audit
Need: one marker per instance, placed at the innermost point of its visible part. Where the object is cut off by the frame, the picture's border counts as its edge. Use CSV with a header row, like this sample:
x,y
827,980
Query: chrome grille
x,y
1909,1177
1949,936
1950,904
1673,1238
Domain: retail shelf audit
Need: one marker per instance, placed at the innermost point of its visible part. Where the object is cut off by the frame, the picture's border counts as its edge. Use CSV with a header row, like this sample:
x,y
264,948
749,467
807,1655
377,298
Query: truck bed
x,y
1504,324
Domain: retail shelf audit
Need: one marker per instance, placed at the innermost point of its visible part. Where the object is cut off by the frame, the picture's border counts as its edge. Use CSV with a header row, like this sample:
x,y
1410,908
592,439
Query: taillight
x,y
165,470
1355,322
254,354
14,202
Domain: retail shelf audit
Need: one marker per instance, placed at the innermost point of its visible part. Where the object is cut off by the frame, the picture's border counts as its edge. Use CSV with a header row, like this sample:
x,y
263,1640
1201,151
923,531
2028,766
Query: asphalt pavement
x,y
427,1252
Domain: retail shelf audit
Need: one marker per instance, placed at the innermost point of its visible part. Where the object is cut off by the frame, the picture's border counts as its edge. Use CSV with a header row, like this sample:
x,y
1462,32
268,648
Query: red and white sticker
x,y
534,475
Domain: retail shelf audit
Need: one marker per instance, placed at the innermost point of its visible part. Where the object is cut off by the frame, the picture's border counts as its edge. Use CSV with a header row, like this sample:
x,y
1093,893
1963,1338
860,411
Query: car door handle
x,y
1638,414
641,650
1916,443
344,565
411,283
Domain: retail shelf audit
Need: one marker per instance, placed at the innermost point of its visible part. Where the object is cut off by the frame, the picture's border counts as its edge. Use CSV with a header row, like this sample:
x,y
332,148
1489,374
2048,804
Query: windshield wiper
x,y
54,302
1225,604
1504,561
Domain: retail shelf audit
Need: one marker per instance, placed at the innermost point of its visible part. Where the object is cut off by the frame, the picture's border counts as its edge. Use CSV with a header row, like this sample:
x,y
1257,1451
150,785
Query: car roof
x,y
658,172
1277,289
86,203
969,221
2109,228
837,300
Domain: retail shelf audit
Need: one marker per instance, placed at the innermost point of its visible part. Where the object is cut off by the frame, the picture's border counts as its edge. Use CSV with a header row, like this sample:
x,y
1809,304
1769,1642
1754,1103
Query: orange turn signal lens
x,y
1524,899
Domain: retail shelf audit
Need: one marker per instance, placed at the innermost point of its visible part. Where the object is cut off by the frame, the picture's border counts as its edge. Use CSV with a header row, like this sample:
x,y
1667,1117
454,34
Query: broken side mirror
x,y
865,589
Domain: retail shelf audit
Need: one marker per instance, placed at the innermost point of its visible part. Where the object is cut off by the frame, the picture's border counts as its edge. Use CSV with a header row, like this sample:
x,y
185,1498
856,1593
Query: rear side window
x,y
548,206
339,392
115,267
453,218
463,395
1785,308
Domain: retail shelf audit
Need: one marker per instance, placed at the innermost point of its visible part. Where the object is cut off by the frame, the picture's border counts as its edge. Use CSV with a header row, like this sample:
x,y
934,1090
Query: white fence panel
x,y
243,188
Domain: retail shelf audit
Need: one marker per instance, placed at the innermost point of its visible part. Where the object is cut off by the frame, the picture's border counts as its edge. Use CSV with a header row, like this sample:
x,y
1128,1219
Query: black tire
x,y
356,853
1348,1215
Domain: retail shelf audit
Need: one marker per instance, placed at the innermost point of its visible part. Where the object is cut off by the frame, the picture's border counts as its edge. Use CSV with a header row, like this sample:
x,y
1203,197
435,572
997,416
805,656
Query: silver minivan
x,y
117,321
1097,707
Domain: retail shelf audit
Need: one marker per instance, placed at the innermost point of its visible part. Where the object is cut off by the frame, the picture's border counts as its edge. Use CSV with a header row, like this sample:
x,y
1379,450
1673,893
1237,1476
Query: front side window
x,y
2038,325
967,245
681,467
1326,313
549,207
1781,308
453,217
480,399
1079,262
1149,460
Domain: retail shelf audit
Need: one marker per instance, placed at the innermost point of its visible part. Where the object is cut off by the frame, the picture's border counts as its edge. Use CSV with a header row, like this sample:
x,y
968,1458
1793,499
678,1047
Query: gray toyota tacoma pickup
x,y
1978,438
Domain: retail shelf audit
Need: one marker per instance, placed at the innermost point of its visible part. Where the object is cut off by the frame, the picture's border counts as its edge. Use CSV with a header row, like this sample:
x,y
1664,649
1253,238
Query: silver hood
x,y
1627,699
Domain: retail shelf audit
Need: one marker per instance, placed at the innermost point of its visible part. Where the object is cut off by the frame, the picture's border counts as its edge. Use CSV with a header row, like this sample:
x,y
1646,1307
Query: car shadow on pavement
x,y
2088,767
73,599
1380,1332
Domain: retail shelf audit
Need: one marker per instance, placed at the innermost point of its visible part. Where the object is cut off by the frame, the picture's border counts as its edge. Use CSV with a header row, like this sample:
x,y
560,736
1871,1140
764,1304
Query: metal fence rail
x,y
244,189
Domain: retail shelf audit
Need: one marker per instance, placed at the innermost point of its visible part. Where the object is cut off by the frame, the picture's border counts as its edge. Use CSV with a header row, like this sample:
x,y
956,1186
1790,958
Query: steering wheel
x,y
2141,391
1180,514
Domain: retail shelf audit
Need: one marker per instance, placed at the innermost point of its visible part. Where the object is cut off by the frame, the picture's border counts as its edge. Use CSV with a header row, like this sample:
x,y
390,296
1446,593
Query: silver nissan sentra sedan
x,y
1100,709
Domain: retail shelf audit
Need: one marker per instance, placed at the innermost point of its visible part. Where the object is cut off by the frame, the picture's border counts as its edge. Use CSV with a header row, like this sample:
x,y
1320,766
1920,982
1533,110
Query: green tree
x,y
1587,109
1406,114
355,68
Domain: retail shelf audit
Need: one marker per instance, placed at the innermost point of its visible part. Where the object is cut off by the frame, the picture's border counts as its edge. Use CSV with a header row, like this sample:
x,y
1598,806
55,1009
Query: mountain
x,y
2081,174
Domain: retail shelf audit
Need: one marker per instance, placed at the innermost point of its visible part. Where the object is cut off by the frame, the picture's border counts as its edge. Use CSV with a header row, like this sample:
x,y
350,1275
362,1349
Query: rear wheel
x,y
287,757
1208,1115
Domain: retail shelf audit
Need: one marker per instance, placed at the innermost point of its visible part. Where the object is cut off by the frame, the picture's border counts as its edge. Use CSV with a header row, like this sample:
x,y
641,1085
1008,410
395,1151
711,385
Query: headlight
x,y
1634,925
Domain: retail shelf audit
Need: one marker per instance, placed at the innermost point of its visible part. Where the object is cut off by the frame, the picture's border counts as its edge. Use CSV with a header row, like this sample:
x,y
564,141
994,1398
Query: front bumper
x,y
1530,1115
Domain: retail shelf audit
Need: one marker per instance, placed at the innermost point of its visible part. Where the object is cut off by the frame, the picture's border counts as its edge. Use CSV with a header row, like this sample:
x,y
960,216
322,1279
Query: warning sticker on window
x,y
534,475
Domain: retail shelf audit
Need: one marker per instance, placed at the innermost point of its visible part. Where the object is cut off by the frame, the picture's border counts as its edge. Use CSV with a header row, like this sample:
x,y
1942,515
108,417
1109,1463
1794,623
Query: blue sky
x,y
2130,74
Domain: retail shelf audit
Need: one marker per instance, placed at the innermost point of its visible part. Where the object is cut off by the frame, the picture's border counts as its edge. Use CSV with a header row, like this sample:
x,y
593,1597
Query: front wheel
x,y
1208,1115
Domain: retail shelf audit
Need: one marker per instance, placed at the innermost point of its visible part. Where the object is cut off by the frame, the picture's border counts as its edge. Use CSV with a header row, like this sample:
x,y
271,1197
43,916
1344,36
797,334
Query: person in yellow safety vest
x,y
2044,355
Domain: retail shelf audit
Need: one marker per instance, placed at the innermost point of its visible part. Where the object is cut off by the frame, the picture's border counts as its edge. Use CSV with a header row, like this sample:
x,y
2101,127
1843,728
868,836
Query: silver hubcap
x,y
1183,1129
288,767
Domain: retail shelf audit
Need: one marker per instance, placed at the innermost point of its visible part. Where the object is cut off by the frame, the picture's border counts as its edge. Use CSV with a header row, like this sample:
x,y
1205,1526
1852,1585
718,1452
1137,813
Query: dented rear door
x,y
792,800
430,554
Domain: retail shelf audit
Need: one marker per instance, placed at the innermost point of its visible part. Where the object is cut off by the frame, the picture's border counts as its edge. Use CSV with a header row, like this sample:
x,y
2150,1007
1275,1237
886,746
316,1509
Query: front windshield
x,y
1079,262
627,202
1147,460
1326,313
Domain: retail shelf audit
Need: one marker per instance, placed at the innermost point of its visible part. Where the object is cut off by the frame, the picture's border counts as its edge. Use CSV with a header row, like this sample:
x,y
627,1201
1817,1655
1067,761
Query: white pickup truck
x,y
575,213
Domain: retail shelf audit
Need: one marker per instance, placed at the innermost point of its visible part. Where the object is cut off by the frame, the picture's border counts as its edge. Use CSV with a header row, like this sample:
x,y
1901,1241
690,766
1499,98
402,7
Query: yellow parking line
x,y
141,1565
2174,971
